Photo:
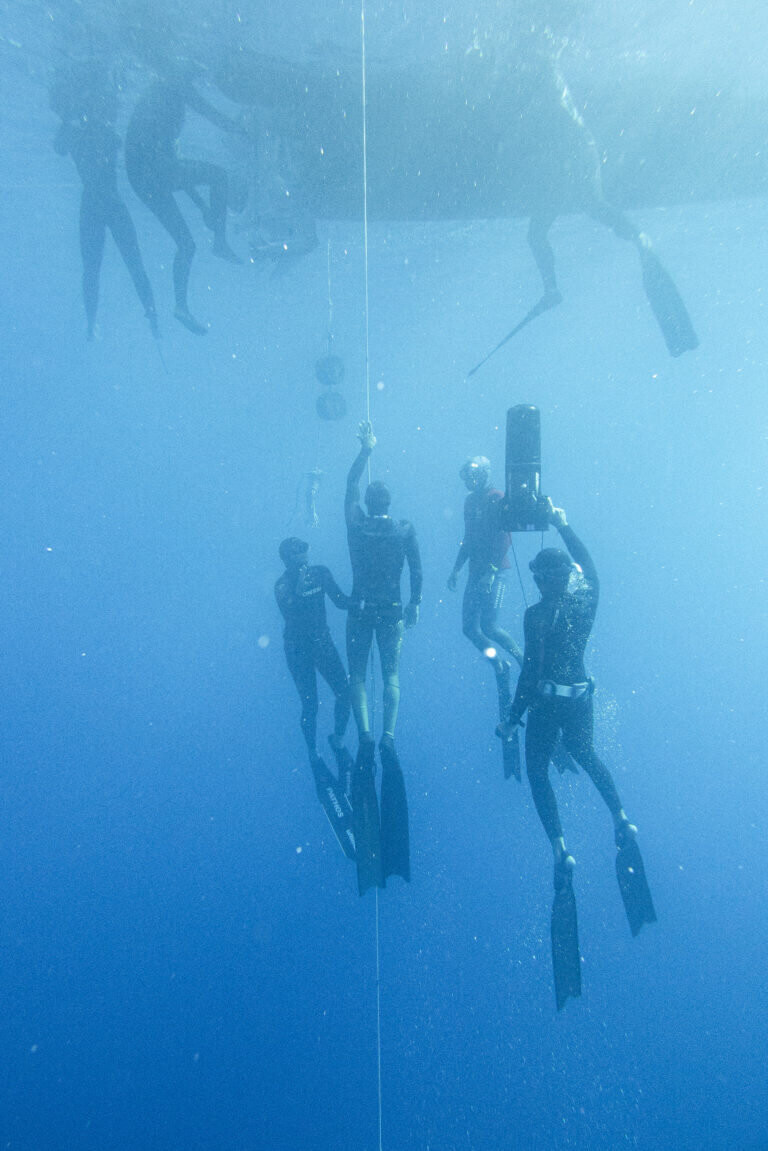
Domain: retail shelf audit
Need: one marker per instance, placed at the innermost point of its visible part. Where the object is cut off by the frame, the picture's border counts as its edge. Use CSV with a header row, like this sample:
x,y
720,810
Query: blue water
x,y
185,962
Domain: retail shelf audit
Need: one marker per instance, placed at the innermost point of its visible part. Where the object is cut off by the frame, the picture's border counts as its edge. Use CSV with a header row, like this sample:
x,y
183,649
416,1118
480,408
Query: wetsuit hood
x,y
293,551
551,562
476,472
377,498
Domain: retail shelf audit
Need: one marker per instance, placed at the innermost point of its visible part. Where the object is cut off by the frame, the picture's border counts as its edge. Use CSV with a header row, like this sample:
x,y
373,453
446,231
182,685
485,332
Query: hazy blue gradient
x,y
185,963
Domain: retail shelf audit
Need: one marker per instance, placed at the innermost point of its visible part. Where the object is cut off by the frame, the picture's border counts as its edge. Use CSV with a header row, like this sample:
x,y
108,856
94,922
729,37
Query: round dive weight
x,y
330,371
331,405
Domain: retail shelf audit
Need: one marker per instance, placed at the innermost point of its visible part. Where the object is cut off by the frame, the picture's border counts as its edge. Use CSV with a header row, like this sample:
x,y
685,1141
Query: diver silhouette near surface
x,y
84,97
549,152
157,172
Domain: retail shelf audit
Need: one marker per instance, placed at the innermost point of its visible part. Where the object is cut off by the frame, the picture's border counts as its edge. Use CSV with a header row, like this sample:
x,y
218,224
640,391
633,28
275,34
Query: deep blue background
x,y
185,962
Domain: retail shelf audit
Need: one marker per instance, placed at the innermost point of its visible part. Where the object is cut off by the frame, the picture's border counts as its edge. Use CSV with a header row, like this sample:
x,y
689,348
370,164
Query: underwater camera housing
x,y
522,509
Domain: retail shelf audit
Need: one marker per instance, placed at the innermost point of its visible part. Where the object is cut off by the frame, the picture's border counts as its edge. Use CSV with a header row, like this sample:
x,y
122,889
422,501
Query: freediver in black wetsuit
x,y
378,547
84,100
556,692
156,172
300,593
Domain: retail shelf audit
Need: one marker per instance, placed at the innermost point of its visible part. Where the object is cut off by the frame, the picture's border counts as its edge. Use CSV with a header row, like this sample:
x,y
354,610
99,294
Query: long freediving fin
x,y
395,836
510,740
345,766
547,301
566,958
633,885
562,759
365,820
335,806
667,305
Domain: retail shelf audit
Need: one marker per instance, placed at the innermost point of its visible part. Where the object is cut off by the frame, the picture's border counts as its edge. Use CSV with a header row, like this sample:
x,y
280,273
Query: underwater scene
x,y
384,442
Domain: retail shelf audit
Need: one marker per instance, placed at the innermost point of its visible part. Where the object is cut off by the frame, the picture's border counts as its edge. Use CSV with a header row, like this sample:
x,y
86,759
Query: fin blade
x,y
563,760
667,305
633,885
566,958
510,744
335,807
365,823
395,835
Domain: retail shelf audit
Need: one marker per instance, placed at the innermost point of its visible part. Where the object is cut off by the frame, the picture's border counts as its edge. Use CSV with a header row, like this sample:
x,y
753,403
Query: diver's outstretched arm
x,y
576,548
333,591
367,444
199,104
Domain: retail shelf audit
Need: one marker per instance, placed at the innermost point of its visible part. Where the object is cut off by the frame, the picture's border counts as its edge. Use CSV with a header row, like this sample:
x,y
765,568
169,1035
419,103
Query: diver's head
x,y
476,473
552,569
377,498
294,552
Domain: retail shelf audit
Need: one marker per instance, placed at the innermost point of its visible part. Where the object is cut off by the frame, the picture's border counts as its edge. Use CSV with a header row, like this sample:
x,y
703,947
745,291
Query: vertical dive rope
x,y
368,417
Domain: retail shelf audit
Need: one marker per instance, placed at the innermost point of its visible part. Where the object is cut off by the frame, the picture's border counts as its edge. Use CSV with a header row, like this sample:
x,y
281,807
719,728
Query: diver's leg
x,y
359,640
578,727
92,235
124,234
612,217
471,613
543,254
498,636
192,174
471,608
389,636
541,734
302,667
332,670
163,205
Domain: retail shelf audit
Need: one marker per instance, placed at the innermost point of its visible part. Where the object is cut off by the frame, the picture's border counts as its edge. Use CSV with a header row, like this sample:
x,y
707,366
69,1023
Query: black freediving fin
x,y
365,819
547,301
510,740
563,760
633,885
335,806
345,765
510,753
667,305
566,959
395,838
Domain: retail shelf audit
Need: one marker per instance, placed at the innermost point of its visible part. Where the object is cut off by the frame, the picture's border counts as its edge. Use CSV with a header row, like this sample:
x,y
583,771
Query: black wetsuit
x,y
485,546
156,171
309,647
94,147
378,549
556,634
